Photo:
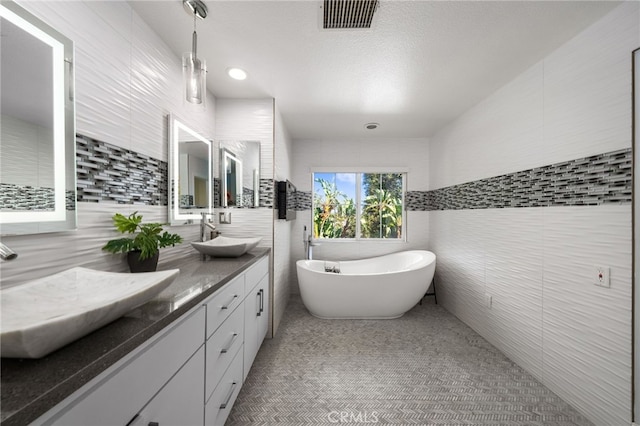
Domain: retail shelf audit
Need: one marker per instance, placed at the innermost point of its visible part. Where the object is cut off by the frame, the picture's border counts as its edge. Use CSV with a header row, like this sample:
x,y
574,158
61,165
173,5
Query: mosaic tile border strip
x,y
590,181
217,190
417,201
267,193
265,197
70,200
248,196
186,200
106,172
303,200
26,198
30,198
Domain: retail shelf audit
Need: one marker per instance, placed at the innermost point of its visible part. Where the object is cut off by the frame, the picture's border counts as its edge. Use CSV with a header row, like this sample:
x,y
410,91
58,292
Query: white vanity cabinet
x,y
234,339
222,347
190,373
223,303
119,395
178,402
256,311
219,405
224,355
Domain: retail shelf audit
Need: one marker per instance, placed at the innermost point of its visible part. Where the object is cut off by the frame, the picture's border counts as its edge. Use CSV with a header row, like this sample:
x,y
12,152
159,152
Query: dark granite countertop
x,y
30,387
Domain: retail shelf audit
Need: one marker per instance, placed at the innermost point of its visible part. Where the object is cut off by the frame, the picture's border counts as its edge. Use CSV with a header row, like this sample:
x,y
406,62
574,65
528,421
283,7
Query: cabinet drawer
x,y
221,348
255,273
223,303
219,406
125,389
180,401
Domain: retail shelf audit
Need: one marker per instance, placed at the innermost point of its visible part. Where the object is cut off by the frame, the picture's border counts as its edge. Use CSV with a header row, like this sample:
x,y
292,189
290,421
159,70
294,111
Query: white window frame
x,y
359,171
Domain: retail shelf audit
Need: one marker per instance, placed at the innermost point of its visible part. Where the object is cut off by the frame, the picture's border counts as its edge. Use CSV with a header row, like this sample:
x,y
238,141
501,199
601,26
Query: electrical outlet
x,y
601,276
488,300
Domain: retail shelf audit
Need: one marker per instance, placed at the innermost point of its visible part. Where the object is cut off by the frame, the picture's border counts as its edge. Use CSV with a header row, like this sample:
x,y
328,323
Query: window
x,y
358,205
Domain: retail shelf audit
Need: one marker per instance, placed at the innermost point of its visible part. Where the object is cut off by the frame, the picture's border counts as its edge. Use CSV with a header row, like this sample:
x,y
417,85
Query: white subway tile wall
x,y
523,277
283,267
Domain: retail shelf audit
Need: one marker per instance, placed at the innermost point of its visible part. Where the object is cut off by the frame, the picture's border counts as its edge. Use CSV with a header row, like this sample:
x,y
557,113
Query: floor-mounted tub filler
x,y
382,287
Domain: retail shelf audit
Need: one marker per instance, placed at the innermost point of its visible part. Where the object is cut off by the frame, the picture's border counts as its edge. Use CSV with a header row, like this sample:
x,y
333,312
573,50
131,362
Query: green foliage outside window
x,y
335,214
382,206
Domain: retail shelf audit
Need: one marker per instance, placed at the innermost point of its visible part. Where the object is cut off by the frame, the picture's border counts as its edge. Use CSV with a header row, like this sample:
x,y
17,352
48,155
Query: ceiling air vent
x,y
348,14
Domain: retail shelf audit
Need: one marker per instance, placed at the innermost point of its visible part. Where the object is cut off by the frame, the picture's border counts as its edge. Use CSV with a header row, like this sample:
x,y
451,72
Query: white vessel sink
x,y
227,246
45,314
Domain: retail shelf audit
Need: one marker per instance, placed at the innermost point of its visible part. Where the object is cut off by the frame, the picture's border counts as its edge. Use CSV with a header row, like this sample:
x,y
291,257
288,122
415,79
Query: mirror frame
x,y
60,219
227,155
248,154
175,216
256,187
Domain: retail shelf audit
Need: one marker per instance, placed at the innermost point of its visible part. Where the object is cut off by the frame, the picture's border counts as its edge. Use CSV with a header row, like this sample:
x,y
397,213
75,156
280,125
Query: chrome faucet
x,y
206,223
306,238
6,253
309,243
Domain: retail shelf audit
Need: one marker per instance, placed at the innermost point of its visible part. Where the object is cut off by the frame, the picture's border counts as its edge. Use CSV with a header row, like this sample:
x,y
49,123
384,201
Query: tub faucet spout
x,y
309,244
305,241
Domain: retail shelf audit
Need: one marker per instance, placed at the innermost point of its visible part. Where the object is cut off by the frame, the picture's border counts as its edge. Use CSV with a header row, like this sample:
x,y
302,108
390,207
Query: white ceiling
x,y
421,65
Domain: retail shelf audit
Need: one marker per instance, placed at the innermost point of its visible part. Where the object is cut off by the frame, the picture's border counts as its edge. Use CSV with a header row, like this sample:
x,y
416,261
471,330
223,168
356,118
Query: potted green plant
x,y
143,249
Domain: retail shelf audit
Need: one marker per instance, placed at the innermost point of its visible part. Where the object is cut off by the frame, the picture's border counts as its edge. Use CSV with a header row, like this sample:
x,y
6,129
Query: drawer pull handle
x,y
259,294
261,300
225,350
154,424
233,299
224,404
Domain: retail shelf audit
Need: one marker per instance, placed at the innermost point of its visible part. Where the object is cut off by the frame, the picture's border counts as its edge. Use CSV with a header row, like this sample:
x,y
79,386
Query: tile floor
x,y
426,368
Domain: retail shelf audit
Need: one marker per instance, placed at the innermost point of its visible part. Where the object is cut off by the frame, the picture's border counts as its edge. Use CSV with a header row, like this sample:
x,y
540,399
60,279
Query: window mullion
x,y
404,207
380,186
358,204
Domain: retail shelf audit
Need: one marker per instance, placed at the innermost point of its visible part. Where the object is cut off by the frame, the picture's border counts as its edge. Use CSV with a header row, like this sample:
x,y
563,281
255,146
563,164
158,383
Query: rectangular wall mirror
x,y
190,169
37,126
240,173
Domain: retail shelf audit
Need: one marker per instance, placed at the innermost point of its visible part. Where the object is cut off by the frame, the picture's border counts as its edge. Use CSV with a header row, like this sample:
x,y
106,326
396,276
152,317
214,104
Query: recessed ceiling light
x,y
371,126
237,73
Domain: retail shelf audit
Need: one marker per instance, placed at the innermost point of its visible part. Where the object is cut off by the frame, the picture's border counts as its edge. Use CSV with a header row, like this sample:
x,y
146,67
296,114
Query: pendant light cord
x,y
194,38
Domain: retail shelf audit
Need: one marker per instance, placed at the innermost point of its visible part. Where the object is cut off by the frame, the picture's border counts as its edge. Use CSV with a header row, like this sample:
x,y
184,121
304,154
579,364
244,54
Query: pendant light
x,y
194,69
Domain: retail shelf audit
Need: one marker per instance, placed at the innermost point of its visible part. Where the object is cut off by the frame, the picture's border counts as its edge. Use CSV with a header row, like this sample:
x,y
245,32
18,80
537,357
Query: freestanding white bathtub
x,y
382,287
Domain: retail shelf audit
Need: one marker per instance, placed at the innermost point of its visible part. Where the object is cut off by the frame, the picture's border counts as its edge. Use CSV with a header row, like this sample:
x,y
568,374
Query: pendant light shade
x,y
194,69
194,72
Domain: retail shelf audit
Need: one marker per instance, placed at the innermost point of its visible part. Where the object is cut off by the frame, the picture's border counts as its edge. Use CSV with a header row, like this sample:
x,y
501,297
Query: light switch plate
x,y
601,276
488,300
